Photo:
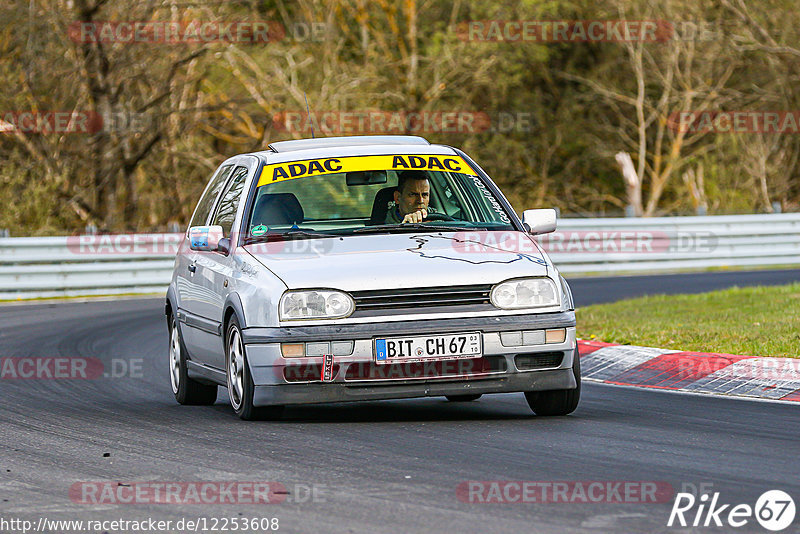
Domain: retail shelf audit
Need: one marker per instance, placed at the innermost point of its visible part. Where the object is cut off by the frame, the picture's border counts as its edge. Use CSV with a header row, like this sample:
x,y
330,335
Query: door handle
x,y
192,267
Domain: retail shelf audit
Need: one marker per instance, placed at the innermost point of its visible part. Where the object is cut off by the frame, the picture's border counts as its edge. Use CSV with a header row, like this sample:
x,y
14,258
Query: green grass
x,y
756,321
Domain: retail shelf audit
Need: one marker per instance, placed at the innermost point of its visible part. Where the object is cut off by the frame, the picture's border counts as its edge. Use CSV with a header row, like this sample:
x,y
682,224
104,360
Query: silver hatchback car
x,y
363,268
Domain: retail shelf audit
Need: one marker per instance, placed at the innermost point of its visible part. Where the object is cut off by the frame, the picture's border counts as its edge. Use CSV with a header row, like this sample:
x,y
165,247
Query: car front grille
x,y
421,297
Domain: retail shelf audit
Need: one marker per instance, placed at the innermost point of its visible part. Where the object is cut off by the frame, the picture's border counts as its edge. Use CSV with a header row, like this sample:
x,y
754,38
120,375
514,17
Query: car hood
x,y
402,260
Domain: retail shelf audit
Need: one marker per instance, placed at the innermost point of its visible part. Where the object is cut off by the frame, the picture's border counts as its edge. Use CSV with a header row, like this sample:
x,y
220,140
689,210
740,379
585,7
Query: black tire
x,y
463,398
187,391
241,391
559,401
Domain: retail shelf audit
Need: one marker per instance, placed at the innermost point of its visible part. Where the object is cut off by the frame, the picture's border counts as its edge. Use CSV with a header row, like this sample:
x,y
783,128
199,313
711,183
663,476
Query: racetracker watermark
x,y
369,122
149,524
191,32
69,368
73,122
569,31
580,491
198,492
692,366
314,369
585,242
277,244
711,121
376,121
49,122
124,244
170,244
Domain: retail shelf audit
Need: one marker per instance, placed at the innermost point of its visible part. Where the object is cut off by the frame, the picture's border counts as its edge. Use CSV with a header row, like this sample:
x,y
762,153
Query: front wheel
x,y
559,401
240,382
186,390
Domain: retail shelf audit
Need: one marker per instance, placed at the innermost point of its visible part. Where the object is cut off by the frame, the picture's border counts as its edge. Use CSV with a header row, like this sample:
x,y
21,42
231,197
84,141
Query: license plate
x,y
423,348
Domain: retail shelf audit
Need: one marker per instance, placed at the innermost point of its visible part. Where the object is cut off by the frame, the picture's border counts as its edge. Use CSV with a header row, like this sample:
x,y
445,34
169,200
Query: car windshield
x,y
355,195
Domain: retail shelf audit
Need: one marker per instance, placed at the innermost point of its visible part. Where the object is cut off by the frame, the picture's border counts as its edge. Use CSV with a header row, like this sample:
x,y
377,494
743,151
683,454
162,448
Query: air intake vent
x,y
474,368
305,372
541,360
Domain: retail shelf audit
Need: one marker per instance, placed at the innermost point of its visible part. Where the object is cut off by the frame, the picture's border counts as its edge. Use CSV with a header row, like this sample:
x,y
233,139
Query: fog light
x,y
511,339
293,350
342,348
533,337
557,335
318,348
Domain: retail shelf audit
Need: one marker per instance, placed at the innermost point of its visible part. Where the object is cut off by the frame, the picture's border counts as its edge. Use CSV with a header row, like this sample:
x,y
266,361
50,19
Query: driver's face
x,y
414,197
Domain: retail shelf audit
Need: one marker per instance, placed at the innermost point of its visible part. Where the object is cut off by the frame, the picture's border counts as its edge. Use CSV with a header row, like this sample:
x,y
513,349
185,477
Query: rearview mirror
x,y
541,221
205,238
365,177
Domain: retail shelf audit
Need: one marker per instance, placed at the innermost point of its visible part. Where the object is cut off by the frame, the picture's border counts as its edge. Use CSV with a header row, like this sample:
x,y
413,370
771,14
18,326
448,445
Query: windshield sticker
x,y
498,209
259,230
290,170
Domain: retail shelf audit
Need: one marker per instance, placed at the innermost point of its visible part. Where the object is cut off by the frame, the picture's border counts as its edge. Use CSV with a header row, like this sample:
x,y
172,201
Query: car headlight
x,y
317,304
525,293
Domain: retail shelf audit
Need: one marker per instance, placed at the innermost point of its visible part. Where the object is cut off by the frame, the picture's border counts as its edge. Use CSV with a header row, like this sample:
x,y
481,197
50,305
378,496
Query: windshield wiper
x,y
276,236
404,226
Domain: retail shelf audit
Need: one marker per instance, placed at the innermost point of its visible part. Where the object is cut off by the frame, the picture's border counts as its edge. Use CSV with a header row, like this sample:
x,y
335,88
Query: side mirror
x,y
540,221
205,238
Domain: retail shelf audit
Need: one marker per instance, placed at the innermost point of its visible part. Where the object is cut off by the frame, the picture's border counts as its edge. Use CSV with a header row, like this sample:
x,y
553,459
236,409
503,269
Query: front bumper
x,y
331,392
356,377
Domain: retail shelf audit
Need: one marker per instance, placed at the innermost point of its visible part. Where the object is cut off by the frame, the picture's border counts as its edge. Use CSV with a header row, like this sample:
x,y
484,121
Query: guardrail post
x,y
4,232
91,229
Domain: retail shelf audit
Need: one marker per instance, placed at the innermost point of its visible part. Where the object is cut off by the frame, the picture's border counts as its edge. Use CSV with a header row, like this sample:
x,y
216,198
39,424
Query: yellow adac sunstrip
x,y
290,170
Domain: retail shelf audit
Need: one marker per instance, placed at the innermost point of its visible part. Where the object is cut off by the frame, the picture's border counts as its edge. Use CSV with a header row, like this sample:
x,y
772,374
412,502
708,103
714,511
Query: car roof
x,y
357,145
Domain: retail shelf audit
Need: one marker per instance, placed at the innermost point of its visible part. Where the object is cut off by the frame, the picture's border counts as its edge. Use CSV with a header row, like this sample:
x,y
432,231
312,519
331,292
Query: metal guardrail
x,y
32,267
674,243
35,267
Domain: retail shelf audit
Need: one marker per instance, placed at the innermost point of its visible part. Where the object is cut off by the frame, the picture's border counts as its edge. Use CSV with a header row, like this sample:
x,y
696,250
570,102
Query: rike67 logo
x,y
774,510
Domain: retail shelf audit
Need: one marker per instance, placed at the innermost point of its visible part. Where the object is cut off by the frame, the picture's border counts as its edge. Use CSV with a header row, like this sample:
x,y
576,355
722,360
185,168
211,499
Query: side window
x,y
226,209
207,200
445,196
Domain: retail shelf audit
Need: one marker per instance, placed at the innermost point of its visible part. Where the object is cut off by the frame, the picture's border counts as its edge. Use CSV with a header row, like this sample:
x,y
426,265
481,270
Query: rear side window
x,y
226,209
203,208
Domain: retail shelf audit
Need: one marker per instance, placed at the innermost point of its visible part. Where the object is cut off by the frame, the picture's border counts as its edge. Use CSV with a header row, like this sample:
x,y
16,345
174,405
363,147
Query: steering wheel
x,y
438,217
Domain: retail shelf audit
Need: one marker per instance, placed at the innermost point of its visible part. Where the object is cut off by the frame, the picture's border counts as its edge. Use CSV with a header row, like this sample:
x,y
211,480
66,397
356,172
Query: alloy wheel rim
x,y
235,369
175,359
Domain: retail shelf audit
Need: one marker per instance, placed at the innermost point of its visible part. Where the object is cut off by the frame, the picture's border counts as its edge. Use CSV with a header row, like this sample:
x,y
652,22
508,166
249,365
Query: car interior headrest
x,y
277,209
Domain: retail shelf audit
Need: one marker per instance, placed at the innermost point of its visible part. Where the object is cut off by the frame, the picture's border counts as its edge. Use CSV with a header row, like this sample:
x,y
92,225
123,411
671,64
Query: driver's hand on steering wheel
x,y
415,217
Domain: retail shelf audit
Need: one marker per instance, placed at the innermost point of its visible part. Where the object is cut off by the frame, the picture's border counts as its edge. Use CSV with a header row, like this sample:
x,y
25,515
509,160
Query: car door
x,y
189,291
215,269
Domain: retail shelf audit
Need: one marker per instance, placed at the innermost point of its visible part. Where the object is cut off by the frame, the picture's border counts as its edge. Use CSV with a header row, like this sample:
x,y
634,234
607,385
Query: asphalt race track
x,y
390,466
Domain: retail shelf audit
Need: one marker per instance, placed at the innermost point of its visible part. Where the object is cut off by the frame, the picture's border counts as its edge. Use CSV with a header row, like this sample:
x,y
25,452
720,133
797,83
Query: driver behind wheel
x,y
410,199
